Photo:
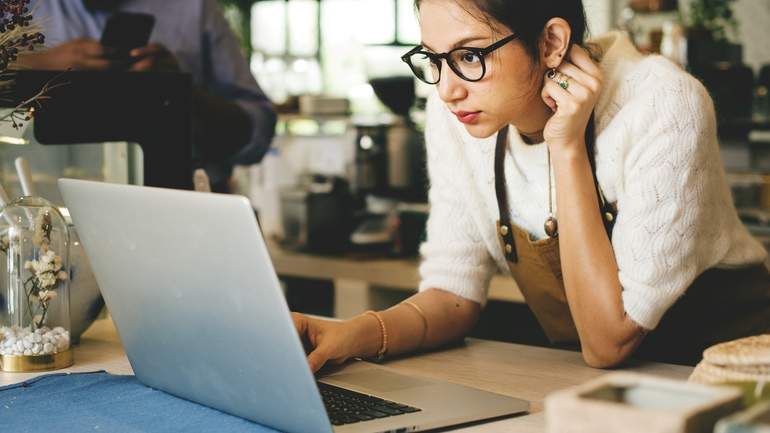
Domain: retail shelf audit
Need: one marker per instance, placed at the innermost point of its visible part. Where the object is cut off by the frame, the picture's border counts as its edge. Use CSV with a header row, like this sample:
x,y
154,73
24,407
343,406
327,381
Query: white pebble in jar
x,y
16,341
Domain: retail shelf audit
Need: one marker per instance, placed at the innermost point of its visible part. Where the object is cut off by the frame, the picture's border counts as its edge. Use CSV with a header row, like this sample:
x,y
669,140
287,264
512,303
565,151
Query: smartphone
x,y
125,31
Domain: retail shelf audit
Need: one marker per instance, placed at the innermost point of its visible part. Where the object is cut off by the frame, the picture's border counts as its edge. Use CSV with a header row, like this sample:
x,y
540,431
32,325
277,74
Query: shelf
x,y
397,274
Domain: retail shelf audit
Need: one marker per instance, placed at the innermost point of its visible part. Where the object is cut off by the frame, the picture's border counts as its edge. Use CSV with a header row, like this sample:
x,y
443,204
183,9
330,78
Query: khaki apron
x,y
720,305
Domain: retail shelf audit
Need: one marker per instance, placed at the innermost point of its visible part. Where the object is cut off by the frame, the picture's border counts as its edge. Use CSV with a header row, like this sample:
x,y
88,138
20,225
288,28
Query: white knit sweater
x,y
657,157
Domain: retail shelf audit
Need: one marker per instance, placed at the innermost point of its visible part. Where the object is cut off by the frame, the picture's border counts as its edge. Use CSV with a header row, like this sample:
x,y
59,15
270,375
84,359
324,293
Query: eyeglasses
x,y
467,62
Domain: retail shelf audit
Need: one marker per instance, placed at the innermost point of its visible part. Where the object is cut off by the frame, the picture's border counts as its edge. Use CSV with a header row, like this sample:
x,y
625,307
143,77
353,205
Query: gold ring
x,y
559,78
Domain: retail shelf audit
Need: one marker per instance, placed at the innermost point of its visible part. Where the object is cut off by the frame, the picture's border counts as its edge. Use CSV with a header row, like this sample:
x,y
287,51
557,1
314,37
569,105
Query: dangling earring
x,y
551,74
551,225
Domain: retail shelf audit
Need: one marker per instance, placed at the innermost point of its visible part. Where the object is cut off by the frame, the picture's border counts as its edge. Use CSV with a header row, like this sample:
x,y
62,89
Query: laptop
x,y
201,314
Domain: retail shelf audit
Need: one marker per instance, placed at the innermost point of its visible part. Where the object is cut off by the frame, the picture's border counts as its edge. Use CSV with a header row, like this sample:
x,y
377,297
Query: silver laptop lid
x,y
193,293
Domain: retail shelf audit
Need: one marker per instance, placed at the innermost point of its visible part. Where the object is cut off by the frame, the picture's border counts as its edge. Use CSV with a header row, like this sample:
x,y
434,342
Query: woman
x,y
594,177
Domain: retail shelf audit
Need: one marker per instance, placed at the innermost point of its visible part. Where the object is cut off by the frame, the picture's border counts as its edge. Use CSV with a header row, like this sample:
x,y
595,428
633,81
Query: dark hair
x,y
528,19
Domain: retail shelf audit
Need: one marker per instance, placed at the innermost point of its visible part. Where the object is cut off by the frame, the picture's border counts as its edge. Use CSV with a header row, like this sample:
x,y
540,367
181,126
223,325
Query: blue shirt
x,y
196,32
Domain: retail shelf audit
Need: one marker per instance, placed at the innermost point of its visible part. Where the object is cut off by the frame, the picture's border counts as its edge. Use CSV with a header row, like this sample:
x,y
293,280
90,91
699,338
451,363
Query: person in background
x,y
234,120
530,123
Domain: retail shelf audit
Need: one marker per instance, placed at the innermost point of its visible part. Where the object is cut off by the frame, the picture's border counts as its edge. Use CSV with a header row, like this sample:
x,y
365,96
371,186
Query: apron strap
x,y
608,211
505,226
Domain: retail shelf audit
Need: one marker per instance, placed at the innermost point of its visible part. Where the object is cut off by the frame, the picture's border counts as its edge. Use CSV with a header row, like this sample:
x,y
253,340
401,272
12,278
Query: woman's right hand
x,y
328,341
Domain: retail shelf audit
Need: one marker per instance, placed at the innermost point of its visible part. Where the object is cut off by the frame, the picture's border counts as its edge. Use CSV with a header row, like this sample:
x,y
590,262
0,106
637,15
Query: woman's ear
x,y
555,42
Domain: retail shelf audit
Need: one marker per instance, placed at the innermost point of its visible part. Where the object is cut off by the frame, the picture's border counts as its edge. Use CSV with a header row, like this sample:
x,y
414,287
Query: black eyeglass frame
x,y
436,58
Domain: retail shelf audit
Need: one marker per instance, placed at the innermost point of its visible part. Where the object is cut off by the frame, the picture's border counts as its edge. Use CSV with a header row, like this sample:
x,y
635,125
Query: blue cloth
x,y
101,402
198,35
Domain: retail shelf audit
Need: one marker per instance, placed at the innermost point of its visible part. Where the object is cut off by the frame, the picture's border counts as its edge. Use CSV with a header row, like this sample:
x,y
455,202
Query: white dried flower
x,y
46,271
47,295
48,257
46,280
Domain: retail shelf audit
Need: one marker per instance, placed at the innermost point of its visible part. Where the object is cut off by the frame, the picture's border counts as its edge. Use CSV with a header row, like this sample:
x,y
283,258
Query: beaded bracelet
x,y
384,332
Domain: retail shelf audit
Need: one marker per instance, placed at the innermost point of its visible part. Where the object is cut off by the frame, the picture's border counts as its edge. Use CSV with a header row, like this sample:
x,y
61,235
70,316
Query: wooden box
x,y
634,403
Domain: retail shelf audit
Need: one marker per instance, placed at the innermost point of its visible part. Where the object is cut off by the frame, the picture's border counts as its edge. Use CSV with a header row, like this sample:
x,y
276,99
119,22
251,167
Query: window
x,y
329,46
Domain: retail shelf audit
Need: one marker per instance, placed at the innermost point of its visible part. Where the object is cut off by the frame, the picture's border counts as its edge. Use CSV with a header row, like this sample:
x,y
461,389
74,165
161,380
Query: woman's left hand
x,y
573,105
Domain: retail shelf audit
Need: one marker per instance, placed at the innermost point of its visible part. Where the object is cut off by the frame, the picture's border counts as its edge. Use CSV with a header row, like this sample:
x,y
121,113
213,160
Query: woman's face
x,y
505,94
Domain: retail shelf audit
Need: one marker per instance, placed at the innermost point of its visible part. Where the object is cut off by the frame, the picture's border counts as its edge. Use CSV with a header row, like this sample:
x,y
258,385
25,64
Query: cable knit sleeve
x,y
455,258
672,223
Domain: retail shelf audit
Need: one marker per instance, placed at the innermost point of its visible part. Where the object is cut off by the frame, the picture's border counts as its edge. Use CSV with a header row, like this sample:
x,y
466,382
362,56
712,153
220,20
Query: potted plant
x,y
712,23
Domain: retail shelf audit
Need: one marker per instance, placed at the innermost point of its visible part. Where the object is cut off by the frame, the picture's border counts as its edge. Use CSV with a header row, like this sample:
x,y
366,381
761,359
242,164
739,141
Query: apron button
x,y
504,230
508,248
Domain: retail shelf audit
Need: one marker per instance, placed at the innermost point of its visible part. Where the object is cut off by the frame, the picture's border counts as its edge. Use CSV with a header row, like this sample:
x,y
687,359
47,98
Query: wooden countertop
x,y
520,371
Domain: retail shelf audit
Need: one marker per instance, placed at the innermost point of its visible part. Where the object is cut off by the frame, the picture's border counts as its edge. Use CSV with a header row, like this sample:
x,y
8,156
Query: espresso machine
x,y
390,173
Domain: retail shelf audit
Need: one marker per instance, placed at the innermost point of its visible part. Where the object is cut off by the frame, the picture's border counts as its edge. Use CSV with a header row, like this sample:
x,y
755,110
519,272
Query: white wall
x,y
600,15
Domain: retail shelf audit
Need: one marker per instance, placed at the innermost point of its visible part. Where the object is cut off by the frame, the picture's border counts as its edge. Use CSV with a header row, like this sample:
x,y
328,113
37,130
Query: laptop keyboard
x,y
347,407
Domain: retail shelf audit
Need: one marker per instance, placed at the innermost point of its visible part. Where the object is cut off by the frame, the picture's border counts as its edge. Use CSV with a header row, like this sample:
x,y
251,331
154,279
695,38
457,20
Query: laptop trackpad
x,y
378,380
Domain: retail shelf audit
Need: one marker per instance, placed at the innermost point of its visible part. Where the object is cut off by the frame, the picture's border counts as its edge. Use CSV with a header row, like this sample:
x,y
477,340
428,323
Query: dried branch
x,y
17,34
